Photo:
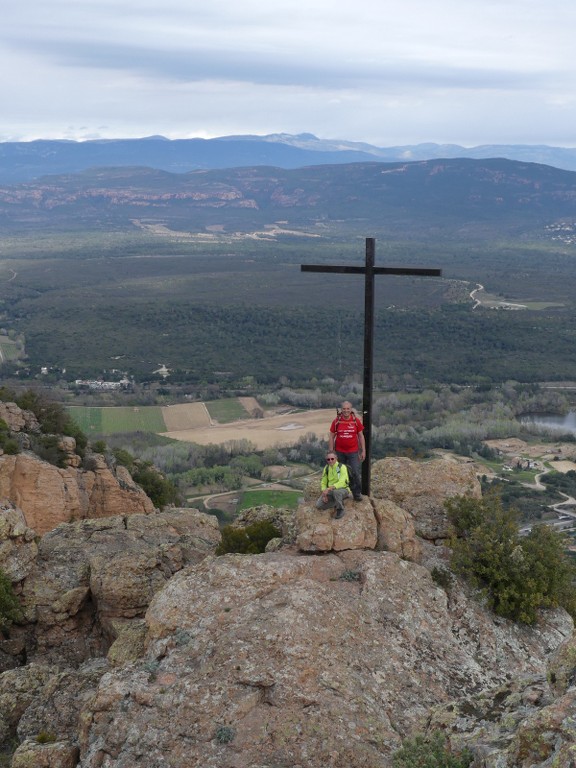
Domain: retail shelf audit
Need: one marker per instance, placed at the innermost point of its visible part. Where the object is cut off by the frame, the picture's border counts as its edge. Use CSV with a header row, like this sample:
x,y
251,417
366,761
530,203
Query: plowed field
x,y
281,430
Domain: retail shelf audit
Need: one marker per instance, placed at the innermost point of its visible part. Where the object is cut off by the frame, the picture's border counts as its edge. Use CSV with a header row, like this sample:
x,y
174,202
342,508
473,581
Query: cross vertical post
x,y
369,271
368,360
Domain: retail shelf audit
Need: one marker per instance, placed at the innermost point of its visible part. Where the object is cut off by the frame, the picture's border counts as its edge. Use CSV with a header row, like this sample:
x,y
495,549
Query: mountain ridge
x,y
25,161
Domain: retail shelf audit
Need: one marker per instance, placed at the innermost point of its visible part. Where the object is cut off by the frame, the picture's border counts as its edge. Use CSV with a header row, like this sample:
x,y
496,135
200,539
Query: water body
x,y
563,424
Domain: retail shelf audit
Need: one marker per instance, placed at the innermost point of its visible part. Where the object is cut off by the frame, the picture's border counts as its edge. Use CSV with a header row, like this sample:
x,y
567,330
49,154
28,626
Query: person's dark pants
x,y
352,461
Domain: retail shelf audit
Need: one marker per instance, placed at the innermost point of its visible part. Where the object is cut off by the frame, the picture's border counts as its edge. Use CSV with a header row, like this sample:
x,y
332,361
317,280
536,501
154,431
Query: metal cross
x,y
369,271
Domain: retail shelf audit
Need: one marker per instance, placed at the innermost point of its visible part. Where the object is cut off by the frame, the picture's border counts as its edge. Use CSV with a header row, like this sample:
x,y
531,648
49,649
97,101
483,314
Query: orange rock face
x,y
49,495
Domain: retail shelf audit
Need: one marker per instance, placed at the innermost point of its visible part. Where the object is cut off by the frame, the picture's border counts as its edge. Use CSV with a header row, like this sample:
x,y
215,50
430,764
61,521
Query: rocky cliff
x,y
140,647
48,495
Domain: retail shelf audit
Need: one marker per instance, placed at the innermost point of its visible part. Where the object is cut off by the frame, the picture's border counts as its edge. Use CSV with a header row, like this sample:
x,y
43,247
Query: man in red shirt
x,y
346,438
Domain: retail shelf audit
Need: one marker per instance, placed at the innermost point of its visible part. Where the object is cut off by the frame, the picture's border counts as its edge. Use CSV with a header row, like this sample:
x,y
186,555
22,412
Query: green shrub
x,y
251,540
52,417
224,734
7,395
45,737
161,490
7,443
442,578
350,575
46,447
10,610
124,458
517,575
431,752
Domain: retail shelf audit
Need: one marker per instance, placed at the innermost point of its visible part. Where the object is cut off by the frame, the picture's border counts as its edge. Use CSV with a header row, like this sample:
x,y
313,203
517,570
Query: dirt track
x,y
263,433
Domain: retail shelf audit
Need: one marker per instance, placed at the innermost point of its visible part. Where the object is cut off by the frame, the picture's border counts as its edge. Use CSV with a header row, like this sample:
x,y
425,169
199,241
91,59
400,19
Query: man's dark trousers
x,y
352,461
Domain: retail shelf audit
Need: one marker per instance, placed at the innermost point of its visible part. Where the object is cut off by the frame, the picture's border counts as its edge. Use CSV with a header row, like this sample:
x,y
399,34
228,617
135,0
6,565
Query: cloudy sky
x,y
387,72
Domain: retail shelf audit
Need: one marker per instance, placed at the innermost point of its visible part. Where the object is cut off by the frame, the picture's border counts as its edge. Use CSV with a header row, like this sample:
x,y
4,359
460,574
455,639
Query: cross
x,y
369,271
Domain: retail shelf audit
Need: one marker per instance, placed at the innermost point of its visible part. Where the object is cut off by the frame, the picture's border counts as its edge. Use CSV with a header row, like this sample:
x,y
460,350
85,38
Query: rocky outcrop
x,y
314,661
147,649
406,505
49,495
18,420
520,723
92,578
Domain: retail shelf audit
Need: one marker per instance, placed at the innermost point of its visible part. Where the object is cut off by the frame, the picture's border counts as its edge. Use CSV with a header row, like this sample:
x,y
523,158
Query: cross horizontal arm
x,y
423,272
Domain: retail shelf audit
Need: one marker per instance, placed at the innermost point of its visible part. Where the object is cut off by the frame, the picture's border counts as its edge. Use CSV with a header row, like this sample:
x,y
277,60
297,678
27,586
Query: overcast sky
x,y
388,72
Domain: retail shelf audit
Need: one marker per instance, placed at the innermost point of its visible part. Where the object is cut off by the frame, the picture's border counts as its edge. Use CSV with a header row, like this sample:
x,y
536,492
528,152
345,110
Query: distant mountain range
x,y
455,196
26,161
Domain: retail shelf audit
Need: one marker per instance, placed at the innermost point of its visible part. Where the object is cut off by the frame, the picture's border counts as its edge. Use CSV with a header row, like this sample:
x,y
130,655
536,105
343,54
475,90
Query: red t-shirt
x,y
346,433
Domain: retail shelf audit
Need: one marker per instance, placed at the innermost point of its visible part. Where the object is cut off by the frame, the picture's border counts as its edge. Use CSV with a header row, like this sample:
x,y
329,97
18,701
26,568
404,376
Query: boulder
x,y
67,445
396,532
57,705
519,723
422,487
35,754
319,531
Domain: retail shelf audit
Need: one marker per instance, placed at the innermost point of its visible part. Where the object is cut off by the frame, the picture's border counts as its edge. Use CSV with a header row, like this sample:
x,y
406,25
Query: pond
x,y
563,424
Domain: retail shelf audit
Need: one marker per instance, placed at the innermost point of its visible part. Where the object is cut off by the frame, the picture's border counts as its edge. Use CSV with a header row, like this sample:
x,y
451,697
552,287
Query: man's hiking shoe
x,y
339,514
358,497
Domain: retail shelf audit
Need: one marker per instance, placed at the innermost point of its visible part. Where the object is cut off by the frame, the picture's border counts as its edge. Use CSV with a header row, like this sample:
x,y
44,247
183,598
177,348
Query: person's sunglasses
x,y
330,458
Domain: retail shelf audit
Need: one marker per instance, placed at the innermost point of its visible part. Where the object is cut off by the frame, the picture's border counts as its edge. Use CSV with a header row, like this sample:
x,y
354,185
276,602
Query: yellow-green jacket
x,y
335,475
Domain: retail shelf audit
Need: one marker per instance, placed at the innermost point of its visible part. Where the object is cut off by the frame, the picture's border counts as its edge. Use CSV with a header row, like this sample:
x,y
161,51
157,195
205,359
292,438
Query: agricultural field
x,y
226,410
274,498
110,421
275,430
197,423
185,416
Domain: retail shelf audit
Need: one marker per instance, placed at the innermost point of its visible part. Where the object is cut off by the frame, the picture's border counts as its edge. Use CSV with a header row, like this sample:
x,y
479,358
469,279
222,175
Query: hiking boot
x,y
339,514
358,497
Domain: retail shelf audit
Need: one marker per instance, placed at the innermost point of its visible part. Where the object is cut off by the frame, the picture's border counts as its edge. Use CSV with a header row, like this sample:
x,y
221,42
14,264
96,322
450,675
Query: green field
x,y
226,410
110,421
288,499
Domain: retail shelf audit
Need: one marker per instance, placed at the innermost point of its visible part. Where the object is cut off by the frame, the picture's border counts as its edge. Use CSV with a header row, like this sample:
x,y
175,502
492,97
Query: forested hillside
x,y
131,269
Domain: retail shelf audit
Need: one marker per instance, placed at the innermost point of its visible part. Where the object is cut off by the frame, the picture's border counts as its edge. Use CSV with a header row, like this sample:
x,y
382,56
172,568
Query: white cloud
x,y
385,71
